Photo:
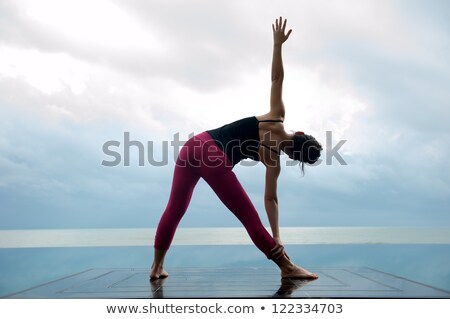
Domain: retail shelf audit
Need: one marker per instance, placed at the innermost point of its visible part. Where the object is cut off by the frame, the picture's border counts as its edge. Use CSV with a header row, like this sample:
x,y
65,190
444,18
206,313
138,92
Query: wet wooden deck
x,y
345,282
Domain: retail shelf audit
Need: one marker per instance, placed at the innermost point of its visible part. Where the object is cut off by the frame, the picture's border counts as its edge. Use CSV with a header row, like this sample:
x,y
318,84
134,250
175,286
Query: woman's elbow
x,y
271,199
277,79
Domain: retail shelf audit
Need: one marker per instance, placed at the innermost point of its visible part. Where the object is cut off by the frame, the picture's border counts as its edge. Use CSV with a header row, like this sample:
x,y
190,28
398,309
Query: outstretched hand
x,y
279,35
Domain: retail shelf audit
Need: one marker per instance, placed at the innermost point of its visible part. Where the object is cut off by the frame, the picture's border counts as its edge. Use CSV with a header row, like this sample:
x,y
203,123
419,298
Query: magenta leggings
x,y
201,157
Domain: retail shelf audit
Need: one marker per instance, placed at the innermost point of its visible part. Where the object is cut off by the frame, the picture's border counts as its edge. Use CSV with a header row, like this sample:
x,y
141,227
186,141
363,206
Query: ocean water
x,y
407,253
45,238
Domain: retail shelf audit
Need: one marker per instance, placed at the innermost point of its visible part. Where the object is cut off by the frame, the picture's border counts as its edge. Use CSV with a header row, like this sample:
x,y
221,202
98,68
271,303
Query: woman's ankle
x,y
158,259
157,265
284,263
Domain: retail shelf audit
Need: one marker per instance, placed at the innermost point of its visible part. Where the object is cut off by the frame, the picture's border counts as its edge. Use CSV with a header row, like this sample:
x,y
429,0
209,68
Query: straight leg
x,y
184,181
232,194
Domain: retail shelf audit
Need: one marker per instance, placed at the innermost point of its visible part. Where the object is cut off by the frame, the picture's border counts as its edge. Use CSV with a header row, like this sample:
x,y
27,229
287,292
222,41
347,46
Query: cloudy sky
x,y
75,74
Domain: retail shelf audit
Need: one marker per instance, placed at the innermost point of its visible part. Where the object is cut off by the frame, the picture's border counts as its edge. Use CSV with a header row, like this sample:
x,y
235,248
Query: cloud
x,y
74,74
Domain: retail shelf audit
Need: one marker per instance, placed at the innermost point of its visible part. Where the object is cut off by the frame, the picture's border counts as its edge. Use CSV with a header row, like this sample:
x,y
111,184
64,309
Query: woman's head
x,y
305,149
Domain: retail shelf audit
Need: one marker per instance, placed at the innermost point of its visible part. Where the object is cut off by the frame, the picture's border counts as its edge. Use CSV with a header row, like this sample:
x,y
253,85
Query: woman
x,y
212,155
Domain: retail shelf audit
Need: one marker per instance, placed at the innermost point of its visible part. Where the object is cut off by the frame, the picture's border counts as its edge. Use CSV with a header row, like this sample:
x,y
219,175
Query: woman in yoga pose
x,y
212,155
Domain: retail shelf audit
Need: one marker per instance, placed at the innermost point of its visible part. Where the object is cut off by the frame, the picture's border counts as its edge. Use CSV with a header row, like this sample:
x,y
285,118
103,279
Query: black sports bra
x,y
275,151
240,139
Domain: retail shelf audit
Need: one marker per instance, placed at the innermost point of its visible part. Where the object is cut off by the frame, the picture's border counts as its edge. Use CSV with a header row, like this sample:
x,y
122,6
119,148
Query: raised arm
x,y
279,37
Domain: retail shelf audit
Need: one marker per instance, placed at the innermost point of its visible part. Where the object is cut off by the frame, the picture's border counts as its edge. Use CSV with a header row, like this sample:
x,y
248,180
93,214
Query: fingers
x,y
276,254
280,25
289,32
277,251
276,248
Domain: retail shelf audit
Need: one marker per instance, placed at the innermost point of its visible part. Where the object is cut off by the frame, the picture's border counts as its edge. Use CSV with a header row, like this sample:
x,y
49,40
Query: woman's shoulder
x,y
268,124
269,117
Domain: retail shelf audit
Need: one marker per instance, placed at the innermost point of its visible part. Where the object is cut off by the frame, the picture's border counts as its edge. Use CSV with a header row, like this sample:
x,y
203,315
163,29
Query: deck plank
x,y
249,282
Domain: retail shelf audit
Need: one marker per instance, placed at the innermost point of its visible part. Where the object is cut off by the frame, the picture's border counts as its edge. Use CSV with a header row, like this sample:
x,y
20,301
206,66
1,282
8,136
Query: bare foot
x,y
297,272
157,273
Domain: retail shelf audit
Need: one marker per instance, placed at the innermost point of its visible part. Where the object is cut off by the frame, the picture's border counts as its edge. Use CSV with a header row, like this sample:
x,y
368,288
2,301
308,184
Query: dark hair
x,y
306,149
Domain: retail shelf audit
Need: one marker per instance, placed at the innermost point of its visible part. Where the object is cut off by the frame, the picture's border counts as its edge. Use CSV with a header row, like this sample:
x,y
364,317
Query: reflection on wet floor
x,y
249,282
287,287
